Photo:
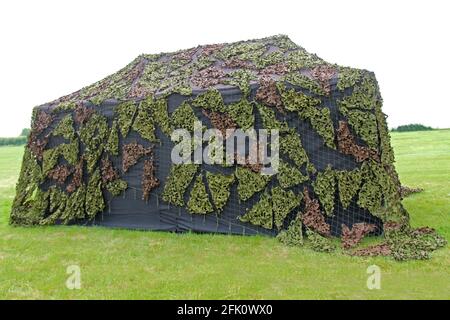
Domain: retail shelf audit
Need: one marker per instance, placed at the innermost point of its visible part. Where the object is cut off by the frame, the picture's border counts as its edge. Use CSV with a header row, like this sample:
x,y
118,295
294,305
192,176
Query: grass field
x,y
131,264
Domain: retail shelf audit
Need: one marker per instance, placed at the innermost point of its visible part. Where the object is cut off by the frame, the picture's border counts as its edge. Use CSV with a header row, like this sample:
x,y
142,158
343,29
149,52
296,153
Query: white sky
x,y
52,48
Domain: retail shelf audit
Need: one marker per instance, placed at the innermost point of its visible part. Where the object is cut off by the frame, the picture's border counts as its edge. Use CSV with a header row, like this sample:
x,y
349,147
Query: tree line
x,y
16,141
411,127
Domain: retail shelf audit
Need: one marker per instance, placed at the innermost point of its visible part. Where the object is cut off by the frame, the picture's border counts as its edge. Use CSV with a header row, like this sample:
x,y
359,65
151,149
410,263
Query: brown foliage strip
x,y
82,113
253,160
278,69
392,226
77,178
323,74
351,237
237,63
149,180
41,123
381,249
207,77
312,217
221,122
347,145
60,173
423,230
185,55
37,146
136,91
255,167
268,94
136,71
109,174
386,248
131,153
210,49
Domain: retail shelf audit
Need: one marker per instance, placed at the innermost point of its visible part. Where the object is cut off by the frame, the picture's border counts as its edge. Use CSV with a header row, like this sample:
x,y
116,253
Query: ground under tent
x,y
102,155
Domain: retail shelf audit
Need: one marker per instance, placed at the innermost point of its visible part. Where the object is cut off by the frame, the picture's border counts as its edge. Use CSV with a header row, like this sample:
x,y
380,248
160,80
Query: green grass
x,y
131,264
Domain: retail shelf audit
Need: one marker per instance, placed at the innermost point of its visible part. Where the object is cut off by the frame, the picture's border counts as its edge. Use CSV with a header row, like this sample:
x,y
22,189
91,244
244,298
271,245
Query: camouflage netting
x,y
101,155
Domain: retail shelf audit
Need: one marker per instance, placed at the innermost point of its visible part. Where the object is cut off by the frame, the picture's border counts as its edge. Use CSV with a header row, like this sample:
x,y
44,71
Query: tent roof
x,y
239,64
